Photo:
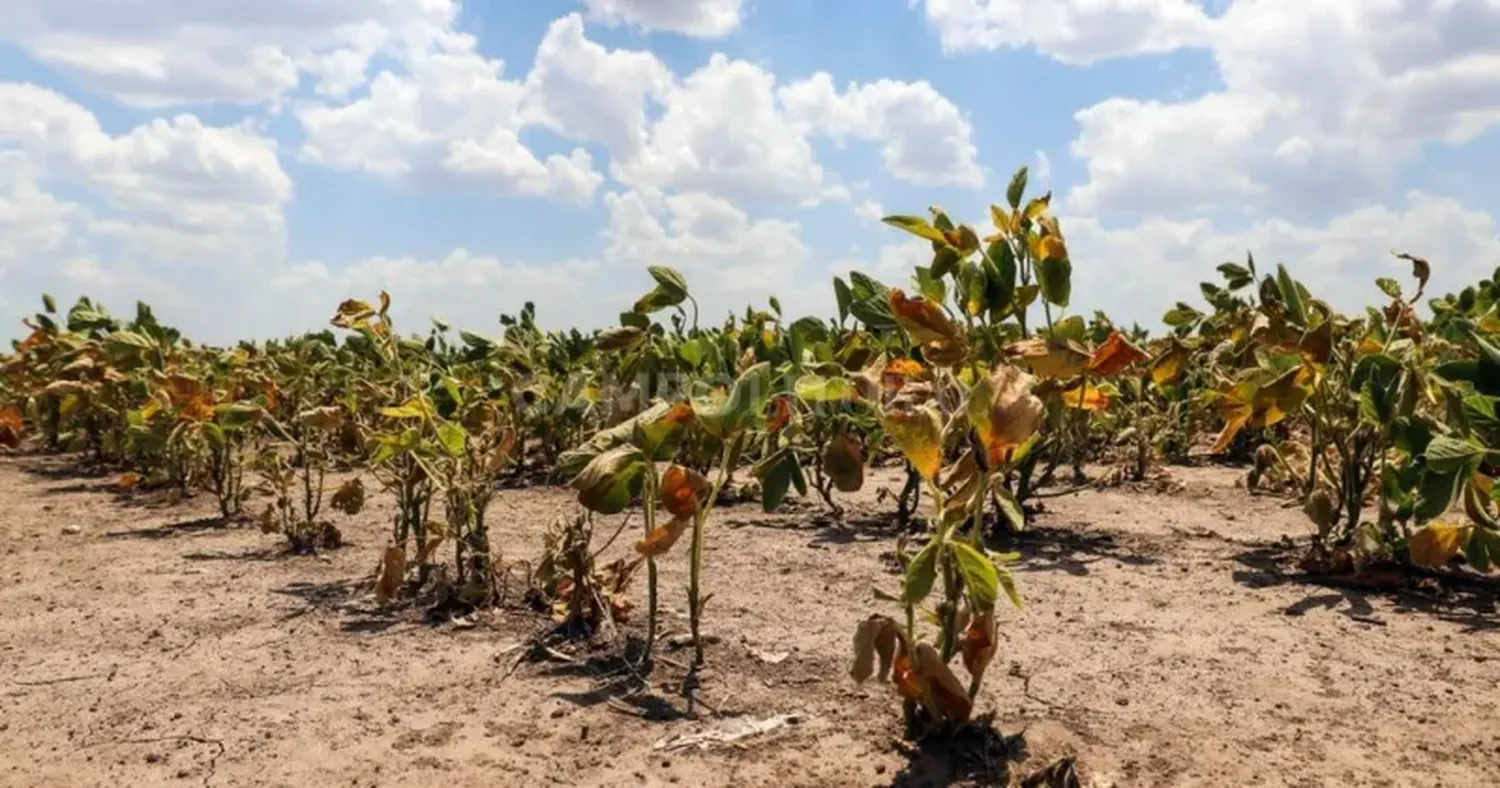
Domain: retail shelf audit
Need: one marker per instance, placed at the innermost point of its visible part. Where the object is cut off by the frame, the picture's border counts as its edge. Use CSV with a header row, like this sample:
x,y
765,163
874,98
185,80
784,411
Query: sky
x,y
244,167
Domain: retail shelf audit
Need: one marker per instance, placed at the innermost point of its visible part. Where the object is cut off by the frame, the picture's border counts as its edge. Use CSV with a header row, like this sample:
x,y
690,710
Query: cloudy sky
x,y
244,166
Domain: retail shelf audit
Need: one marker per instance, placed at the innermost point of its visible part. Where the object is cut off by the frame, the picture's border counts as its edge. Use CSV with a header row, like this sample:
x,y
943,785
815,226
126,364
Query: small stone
x,y
72,530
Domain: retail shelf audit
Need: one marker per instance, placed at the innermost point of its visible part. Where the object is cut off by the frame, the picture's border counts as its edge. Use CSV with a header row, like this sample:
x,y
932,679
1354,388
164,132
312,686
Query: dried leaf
x,y
661,539
918,431
1003,412
1081,396
350,497
923,320
843,463
979,643
683,490
1055,359
1436,544
948,695
1115,355
392,571
900,371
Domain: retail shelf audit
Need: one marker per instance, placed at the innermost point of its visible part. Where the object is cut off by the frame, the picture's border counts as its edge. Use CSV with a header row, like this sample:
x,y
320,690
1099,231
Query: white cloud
x,y
700,18
1322,103
1136,272
168,52
722,131
172,189
452,118
1042,171
586,92
1073,31
925,139
462,288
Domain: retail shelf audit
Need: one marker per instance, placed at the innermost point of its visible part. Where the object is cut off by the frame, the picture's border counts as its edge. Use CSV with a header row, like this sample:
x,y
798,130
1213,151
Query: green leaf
x,y
776,305
1056,278
1010,507
1000,270
1389,286
452,438
980,577
49,304
1291,295
1180,315
237,415
1447,454
931,287
671,290
843,296
943,262
774,486
816,388
611,480
1436,492
920,576
1017,188
917,226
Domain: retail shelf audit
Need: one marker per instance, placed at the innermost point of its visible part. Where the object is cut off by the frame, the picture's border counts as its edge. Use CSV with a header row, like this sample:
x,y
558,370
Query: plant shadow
x,y
186,528
977,754
1055,549
1472,602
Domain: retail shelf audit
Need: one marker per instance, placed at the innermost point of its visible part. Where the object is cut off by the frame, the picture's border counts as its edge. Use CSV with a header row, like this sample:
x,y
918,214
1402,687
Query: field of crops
x,y
958,534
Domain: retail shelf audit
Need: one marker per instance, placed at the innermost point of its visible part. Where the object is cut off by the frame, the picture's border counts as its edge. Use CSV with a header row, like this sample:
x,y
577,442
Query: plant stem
x,y
649,505
695,569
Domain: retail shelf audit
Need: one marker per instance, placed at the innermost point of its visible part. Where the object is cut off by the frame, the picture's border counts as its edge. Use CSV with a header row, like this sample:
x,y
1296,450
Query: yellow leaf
x,y
1168,366
1003,412
924,320
1051,359
1081,396
918,431
1435,545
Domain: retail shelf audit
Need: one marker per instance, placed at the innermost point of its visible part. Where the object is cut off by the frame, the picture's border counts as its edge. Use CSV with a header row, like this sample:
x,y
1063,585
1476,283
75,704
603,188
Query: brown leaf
x,y
424,556
843,463
1003,411
937,679
1116,354
350,497
683,490
923,320
392,571
1051,359
979,643
661,539
900,371
11,427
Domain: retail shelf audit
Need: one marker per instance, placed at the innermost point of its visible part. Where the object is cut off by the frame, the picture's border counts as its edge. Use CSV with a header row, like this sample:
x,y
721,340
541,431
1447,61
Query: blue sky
x,y
245,168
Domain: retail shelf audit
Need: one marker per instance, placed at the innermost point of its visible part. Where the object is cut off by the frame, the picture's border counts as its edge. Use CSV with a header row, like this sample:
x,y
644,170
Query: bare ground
x,y
1166,642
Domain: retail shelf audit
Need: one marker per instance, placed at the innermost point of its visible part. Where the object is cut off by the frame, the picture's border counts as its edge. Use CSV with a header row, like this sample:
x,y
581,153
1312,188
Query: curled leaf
x,y
941,686
876,637
661,538
392,571
683,490
979,643
899,371
843,463
1003,412
923,320
1115,355
11,427
918,431
350,497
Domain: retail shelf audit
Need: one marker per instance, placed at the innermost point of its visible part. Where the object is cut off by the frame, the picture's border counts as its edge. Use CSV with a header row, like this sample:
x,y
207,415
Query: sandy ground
x,y
1165,643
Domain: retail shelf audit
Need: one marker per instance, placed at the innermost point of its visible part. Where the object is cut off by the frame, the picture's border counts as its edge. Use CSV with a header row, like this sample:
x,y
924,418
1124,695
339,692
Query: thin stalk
x,y
648,496
695,570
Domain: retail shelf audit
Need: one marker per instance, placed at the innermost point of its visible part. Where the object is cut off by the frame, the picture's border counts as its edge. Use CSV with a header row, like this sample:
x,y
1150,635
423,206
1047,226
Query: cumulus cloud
x,y
699,18
167,52
1073,31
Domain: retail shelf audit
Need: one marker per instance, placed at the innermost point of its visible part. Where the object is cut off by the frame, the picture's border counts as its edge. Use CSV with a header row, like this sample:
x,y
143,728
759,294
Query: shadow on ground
x,y
1468,600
